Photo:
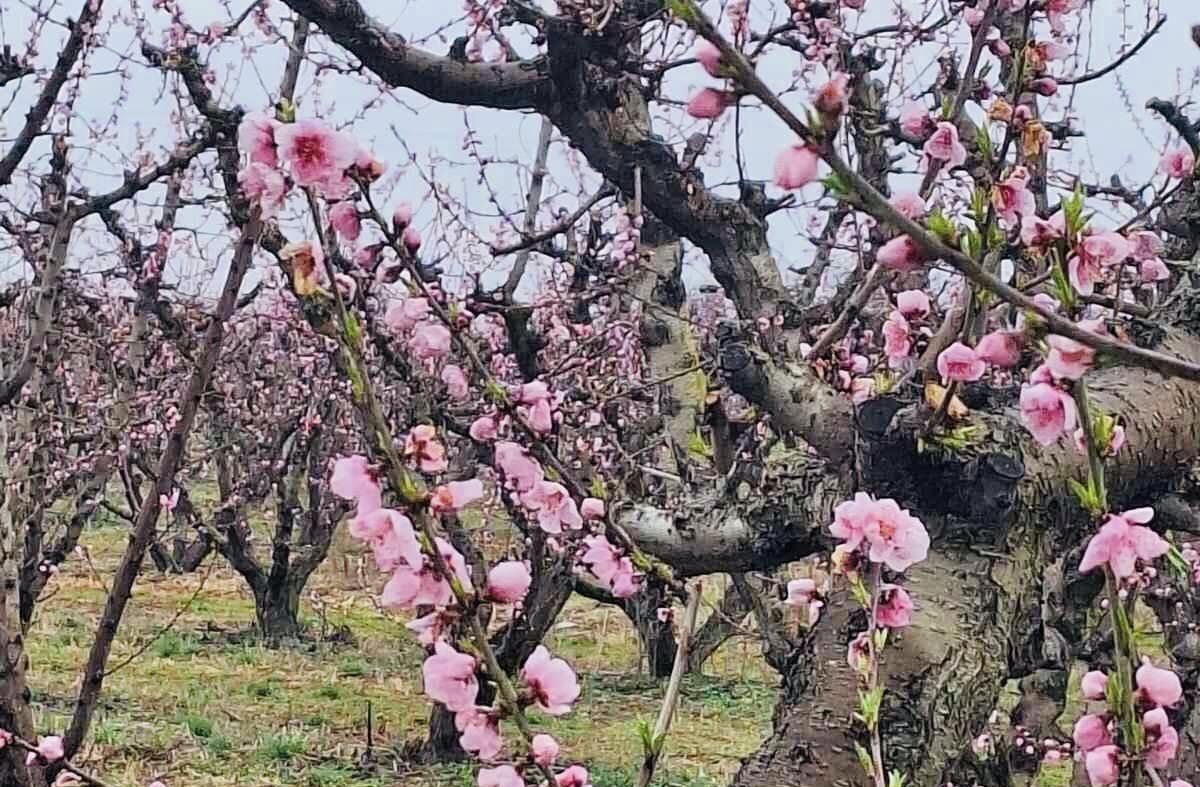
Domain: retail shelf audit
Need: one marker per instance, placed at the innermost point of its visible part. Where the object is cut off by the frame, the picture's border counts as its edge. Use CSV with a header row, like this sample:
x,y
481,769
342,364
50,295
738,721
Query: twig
x,y
671,699
534,200
1113,66
560,227
65,764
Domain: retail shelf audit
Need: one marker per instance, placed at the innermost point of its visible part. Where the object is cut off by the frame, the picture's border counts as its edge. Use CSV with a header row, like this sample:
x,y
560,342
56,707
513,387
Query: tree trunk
x,y
277,613
657,637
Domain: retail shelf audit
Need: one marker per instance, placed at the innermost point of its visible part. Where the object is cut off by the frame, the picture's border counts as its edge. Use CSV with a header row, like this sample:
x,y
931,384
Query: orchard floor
x,y
196,702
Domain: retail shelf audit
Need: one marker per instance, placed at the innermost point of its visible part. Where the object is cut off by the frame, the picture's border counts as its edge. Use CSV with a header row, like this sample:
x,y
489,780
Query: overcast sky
x,y
1122,137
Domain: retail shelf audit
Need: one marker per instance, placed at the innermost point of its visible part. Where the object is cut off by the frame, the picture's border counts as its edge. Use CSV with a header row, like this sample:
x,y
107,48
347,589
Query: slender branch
x,y
538,238
1120,61
36,117
671,698
532,202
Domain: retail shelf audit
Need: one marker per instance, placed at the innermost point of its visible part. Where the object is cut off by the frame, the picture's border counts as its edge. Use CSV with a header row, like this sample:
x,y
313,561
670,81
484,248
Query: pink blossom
x,y
897,343
915,121
552,682
428,628
457,387
1001,349
831,98
508,582
544,749
909,204
895,607
900,254
1044,86
1103,767
256,138
1120,543
707,104
265,186
1177,163
944,145
353,479
709,57
403,315
1095,252
521,472
391,535
402,216
1069,359
318,155
368,165
850,519
1094,685
1056,11
1157,686
50,748
430,341
1146,245
1162,737
168,502
897,539
1012,199
1091,731
411,238
862,389
539,416
455,495
960,363
626,581
503,776
343,217
1153,270
575,776
480,732
803,593
1047,412
1040,233
554,506
973,16
1180,783
483,429
913,304
795,166
592,508
422,444
1046,302
605,562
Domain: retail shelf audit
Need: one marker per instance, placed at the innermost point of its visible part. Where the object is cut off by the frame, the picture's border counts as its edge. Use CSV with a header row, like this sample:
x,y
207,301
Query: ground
x,y
194,700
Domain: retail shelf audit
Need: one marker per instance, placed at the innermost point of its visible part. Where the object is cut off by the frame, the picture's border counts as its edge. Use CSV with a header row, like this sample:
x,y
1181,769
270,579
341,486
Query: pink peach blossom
x,y
502,776
264,186
521,472
554,505
895,607
318,155
707,103
913,304
1121,543
1163,739
915,121
897,539
411,238
483,429
402,216
508,582
479,732
944,145
1094,685
343,217
592,508
430,341
457,387
353,479
256,138
795,166
897,342
1069,359
909,203
1012,198
960,363
575,776
1178,163
422,444
831,98
709,57
900,254
1157,686
455,495
1103,767
552,681
1091,732
449,678
1047,412
1001,349
859,651
1040,233
544,749
403,315
850,519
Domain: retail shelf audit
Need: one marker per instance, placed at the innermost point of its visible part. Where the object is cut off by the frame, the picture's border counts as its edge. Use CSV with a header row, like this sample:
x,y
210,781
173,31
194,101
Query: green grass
x,y
205,704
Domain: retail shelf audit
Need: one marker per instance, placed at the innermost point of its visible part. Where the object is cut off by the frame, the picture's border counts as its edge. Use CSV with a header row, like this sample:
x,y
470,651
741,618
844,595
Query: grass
x,y
203,705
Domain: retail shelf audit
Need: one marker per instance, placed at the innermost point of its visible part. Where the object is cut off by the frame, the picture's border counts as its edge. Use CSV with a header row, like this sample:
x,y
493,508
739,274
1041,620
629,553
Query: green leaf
x,y
864,759
972,245
597,489
942,227
896,779
983,141
696,445
1062,287
685,10
837,187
